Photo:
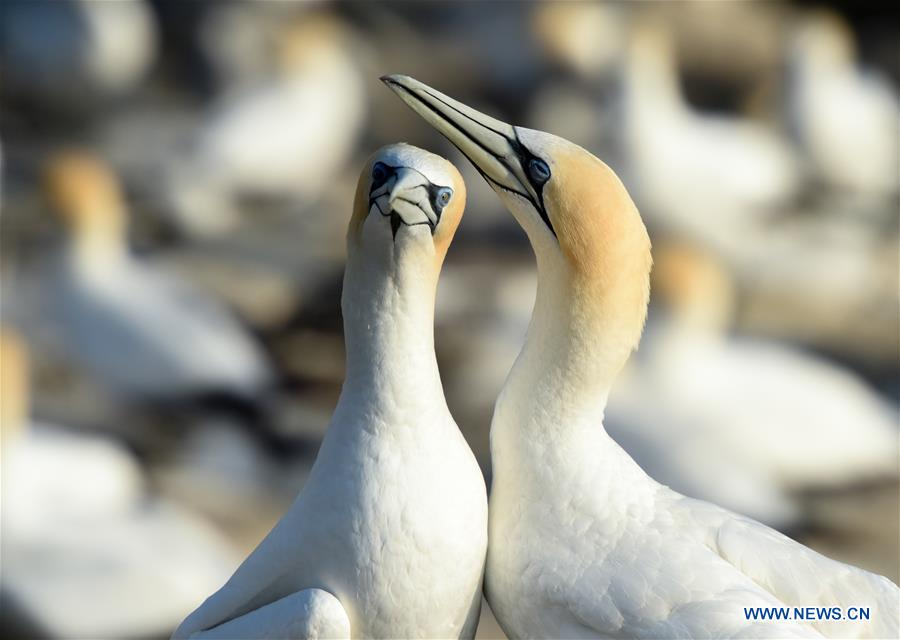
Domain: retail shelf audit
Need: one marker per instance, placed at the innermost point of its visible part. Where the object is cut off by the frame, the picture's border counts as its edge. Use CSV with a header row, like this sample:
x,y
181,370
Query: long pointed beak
x,y
491,145
409,197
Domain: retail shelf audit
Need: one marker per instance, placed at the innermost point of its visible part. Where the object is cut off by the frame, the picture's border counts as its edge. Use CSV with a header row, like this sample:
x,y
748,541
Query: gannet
x,y
389,534
582,542
137,329
283,136
694,168
845,117
811,423
88,550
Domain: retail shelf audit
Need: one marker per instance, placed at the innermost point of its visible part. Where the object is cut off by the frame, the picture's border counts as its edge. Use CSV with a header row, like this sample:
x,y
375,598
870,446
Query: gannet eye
x,y
379,174
538,170
443,197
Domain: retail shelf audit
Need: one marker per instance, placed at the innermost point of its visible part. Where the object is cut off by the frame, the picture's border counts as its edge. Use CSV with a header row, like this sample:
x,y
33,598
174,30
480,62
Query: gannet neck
x,y
650,76
588,315
388,308
98,248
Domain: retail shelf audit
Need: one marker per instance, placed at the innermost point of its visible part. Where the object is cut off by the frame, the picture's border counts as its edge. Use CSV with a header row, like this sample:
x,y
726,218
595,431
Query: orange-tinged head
x,y
406,195
582,223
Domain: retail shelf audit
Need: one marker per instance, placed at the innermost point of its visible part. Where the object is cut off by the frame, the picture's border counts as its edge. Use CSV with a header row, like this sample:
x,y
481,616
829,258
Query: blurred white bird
x,y
129,324
388,536
87,551
847,118
582,542
747,420
76,52
695,169
285,136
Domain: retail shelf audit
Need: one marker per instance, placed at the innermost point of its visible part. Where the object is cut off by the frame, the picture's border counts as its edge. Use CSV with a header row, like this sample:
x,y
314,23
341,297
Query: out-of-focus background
x,y
176,181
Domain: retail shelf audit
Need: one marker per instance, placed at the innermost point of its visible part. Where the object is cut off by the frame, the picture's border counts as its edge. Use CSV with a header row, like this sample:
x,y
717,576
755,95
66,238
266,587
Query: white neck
x,y
558,377
97,252
551,409
388,308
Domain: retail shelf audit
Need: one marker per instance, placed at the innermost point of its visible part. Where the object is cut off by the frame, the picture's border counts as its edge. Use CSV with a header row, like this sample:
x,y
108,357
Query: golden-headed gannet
x,y
844,116
283,136
389,534
88,550
583,542
131,325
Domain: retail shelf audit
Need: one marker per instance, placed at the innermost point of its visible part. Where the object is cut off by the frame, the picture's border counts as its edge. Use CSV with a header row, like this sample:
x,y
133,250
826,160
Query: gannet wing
x,y
310,613
797,575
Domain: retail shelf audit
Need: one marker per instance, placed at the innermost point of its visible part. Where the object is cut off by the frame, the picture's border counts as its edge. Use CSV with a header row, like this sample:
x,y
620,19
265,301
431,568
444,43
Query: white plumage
x,y
388,536
582,542
741,421
134,327
88,551
285,135
702,174
847,118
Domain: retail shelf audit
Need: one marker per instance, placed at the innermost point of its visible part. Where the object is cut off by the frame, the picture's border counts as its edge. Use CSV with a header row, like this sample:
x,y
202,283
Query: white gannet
x,y
129,324
846,117
694,167
88,550
389,534
583,542
810,422
283,136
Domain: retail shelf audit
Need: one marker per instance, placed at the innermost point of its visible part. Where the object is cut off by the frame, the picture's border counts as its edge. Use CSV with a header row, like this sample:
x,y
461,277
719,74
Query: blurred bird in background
x,y
230,134
139,331
288,134
89,549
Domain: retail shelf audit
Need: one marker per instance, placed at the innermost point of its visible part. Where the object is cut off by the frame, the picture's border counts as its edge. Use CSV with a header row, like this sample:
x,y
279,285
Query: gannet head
x,y
822,40
86,196
580,219
407,199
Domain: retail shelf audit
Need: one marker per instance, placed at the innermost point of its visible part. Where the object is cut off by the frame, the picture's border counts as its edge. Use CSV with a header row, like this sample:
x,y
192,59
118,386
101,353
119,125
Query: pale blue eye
x,y
538,170
443,197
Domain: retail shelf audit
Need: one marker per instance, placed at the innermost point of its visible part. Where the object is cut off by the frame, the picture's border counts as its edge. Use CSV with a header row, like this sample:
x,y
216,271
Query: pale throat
x,y
580,336
388,309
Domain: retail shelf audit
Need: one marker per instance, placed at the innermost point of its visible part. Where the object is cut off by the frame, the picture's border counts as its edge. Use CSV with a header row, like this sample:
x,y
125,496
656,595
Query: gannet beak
x,y
489,144
406,197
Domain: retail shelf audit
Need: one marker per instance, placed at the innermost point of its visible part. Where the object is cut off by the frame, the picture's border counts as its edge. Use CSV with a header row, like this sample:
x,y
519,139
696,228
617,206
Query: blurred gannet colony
x,y
78,54
89,550
287,134
199,243
747,420
844,115
140,331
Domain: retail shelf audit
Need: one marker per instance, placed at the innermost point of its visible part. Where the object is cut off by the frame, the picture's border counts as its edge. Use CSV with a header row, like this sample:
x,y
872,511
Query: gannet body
x,y
389,534
845,117
134,327
583,542
82,535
